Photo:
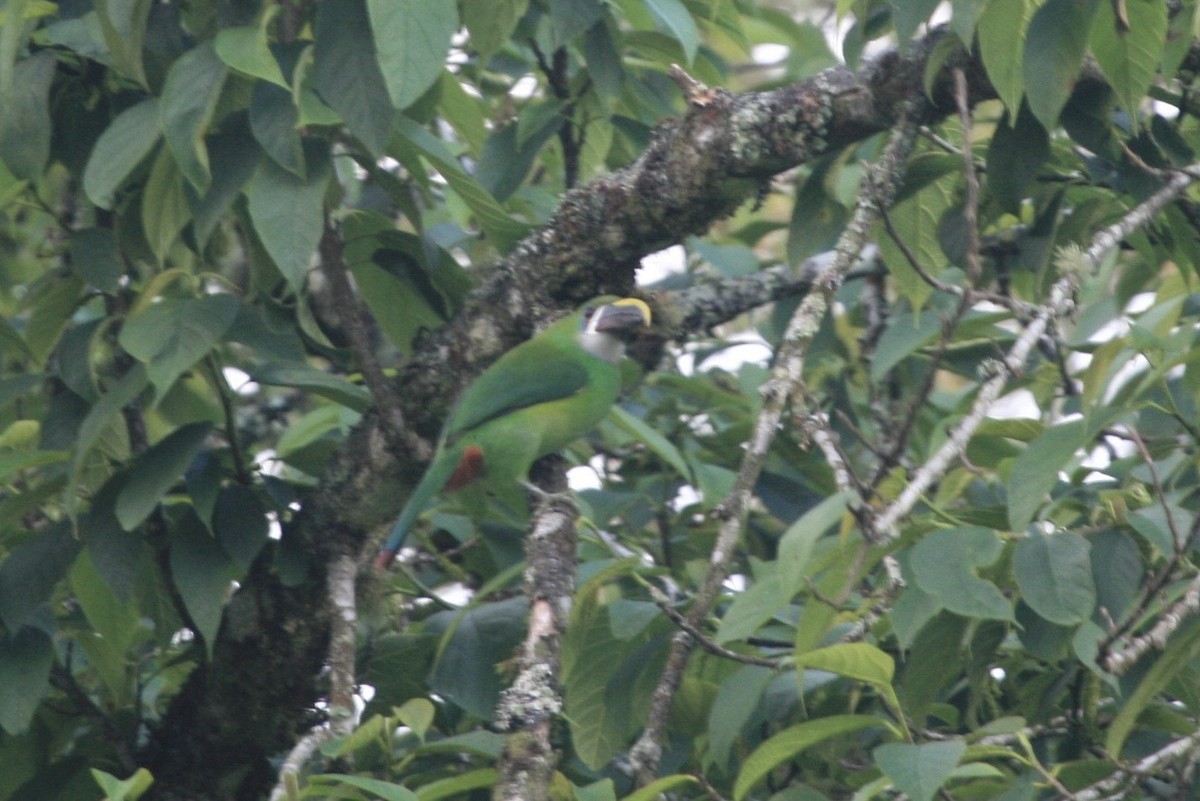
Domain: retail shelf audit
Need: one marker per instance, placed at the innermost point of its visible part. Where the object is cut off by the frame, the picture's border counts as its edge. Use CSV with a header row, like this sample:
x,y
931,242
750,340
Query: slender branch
x,y
1058,304
1187,746
225,393
779,389
1169,620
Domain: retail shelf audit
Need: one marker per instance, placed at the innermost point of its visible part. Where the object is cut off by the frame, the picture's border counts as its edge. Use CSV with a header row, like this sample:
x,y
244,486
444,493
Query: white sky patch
x,y
239,381
998,673
524,88
662,264
686,496
1017,404
769,53
736,583
583,477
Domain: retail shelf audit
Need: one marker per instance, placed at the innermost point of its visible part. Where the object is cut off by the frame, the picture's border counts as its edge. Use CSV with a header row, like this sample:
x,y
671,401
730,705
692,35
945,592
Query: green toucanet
x,y
536,399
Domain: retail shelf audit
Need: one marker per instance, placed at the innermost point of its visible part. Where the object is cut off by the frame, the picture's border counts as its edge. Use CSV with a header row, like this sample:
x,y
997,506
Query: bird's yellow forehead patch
x,y
636,303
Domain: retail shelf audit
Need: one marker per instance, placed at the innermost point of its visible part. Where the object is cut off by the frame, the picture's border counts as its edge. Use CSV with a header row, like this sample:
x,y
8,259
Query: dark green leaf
x,y
1002,31
165,209
1054,573
907,15
919,771
1036,470
30,571
1116,570
673,16
1054,50
189,98
476,640
944,565
122,146
1129,57
289,214
94,256
123,24
26,656
203,573
790,742
346,74
234,160
240,523
302,376
273,119
411,39
569,18
25,116
171,335
156,471
103,414
490,22
1014,156
115,552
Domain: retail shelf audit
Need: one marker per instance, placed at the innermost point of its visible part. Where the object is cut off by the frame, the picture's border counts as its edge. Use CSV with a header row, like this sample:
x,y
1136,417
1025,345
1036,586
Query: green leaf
x,y
1116,570
1054,50
475,642
908,15
673,16
245,48
17,461
54,304
122,146
1002,31
966,17
944,565
376,787
1129,58
156,470
310,379
204,575
1036,470
1183,647
189,98
31,570
751,608
903,337
25,116
854,660
490,23
916,220
165,209
240,523
26,656
115,621
123,789
94,256
796,544
462,111
639,430
172,334
1014,157
791,742
736,701
412,38
346,74
123,25
919,771
289,214
502,229
273,120
659,787
1054,573
569,18
102,414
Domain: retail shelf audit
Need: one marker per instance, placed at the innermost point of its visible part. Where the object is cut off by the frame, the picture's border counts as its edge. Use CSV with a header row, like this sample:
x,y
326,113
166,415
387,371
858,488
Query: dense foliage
x,y
250,250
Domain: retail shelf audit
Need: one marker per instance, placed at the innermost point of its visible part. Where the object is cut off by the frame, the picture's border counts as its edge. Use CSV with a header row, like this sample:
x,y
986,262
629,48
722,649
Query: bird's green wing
x,y
535,372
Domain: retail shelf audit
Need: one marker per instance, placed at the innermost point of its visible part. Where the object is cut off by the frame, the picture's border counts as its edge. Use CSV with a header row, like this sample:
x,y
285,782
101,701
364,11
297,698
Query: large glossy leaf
x,y
1129,56
1002,31
476,640
26,656
919,771
411,40
189,98
155,471
165,209
123,24
1054,572
122,146
793,741
1036,470
1016,153
240,523
203,573
673,16
103,414
490,22
796,544
30,571
25,116
289,213
944,564
1054,51
170,336
245,48
346,74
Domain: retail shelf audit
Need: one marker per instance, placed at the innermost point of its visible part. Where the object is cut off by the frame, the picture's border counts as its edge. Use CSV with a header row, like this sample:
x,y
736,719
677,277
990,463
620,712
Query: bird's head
x,y
609,324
